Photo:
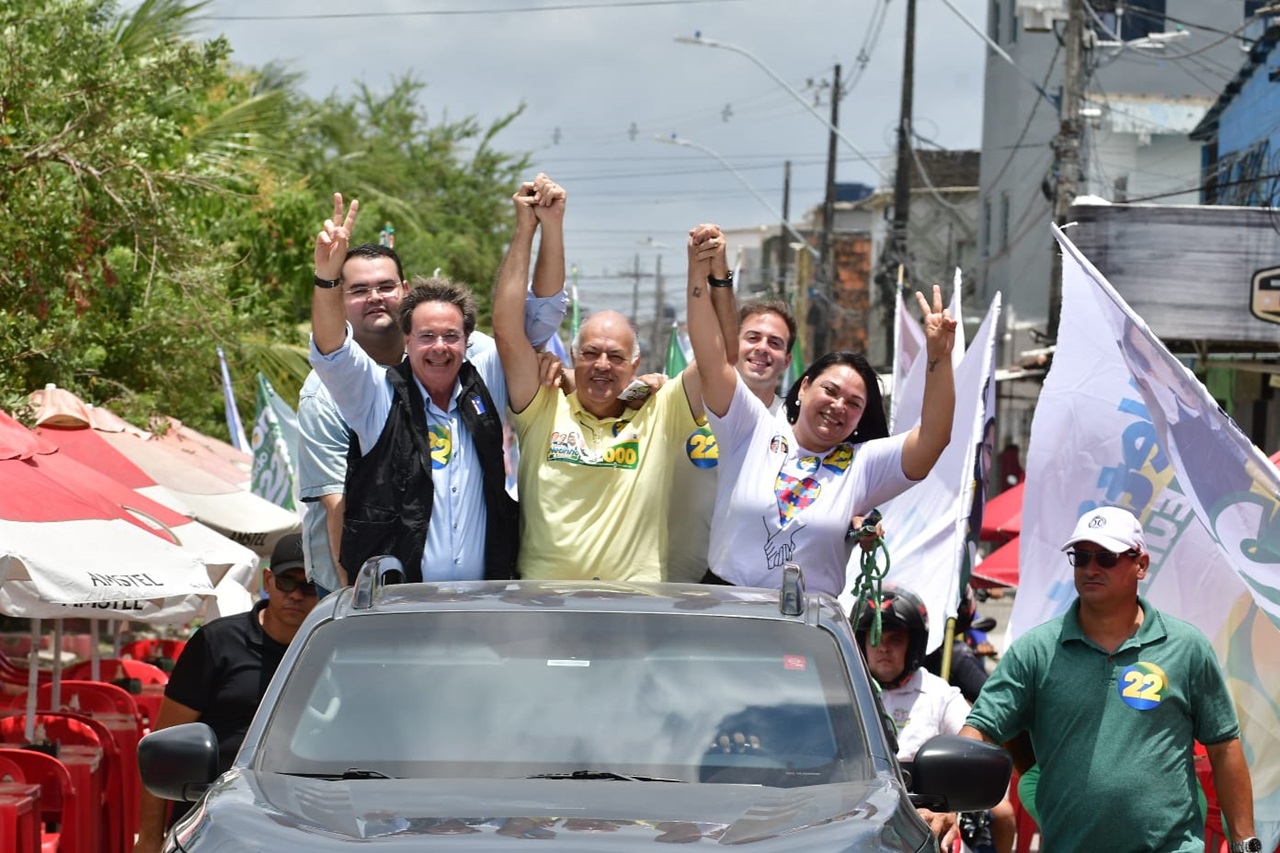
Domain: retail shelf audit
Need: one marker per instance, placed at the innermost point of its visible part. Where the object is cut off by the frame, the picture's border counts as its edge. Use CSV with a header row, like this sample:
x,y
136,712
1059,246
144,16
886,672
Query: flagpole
x,y
234,427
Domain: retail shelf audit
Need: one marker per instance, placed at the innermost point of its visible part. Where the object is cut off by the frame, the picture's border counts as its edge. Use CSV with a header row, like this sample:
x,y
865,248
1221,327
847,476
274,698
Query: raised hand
x,y
939,325
707,249
549,200
525,199
334,238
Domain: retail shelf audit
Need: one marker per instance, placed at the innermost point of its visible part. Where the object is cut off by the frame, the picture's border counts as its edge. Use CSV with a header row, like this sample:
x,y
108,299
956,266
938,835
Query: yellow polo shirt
x,y
594,491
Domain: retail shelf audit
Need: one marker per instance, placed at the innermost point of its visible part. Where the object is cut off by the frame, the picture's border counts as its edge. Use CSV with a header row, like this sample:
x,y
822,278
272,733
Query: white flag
x,y
1122,422
926,528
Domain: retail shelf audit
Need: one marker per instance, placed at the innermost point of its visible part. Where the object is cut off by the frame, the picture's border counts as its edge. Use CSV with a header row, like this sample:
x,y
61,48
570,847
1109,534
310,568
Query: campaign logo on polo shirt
x,y
701,448
572,447
441,442
1142,685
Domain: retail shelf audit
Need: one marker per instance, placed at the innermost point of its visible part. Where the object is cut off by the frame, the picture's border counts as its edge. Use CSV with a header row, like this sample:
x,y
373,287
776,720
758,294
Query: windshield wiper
x,y
601,774
349,773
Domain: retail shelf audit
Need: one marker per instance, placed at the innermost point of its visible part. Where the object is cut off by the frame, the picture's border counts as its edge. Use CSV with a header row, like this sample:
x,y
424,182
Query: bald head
x,y
615,320
606,353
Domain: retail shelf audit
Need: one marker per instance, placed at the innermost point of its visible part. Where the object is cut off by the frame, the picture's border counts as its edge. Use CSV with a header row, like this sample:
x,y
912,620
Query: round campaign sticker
x,y
441,445
1142,685
702,449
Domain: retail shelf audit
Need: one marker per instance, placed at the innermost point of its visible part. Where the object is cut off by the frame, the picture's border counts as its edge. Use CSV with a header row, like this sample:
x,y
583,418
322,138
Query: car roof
x,y
585,596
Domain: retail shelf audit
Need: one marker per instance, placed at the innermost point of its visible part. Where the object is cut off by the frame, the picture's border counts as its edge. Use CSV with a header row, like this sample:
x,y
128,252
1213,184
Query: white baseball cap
x,y
1111,527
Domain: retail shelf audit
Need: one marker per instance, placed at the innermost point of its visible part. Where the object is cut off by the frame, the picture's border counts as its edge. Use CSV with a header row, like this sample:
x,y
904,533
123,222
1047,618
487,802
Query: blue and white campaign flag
x,y
234,427
926,527
908,343
1122,422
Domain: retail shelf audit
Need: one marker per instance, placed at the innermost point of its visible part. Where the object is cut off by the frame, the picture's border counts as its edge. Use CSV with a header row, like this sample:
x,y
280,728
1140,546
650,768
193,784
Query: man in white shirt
x,y
921,704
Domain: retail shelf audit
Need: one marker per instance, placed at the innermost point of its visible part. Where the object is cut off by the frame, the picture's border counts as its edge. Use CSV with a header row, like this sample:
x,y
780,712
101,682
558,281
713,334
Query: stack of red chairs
x,y
58,803
106,821
158,652
13,674
118,713
143,682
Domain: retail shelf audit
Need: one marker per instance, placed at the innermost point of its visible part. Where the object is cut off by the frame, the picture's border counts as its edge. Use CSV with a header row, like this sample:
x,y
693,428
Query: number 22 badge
x,y
1142,685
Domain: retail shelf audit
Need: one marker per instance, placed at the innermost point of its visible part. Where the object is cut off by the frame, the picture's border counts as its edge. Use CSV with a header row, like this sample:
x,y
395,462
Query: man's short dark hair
x,y
770,306
373,251
438,290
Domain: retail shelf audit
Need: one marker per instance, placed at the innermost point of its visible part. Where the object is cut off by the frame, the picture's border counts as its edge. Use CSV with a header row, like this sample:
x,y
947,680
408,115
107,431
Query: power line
x,y
419,13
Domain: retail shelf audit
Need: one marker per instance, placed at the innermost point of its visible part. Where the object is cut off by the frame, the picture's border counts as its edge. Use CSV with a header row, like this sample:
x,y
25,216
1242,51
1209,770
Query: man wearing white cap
x,y
1113,694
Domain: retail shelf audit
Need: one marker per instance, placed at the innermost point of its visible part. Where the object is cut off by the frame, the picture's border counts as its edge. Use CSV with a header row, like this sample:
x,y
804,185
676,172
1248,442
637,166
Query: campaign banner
x,y
1122,422
927,528
275,431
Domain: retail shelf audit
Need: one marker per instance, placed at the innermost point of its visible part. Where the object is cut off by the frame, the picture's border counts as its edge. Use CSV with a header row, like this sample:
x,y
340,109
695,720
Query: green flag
x,y
275,433
676,362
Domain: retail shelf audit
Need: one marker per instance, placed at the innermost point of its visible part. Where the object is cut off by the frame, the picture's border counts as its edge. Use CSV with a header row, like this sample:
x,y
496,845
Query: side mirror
x,y
180,762
958,774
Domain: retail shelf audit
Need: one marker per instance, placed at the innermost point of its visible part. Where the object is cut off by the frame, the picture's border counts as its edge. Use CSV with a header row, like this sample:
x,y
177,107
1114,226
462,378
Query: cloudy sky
x,y
600,79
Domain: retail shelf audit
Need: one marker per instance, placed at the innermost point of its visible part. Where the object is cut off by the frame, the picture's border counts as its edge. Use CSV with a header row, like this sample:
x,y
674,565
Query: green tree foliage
x,y
443,187
159,201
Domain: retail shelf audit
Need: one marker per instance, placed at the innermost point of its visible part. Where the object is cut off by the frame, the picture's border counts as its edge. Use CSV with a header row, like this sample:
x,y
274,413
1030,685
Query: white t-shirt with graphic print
x,y
778,503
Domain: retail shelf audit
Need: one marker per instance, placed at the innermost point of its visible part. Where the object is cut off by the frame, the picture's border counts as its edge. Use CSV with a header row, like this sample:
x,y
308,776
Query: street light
x,y
689,143
705,42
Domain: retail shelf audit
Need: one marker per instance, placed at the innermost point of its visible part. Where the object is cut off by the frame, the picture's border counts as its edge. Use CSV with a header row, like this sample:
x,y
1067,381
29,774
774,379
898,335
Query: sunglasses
x,y
287,584
1106,559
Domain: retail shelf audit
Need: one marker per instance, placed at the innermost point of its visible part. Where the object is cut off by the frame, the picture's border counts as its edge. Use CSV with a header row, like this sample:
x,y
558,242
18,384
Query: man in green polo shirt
x,y
1113,693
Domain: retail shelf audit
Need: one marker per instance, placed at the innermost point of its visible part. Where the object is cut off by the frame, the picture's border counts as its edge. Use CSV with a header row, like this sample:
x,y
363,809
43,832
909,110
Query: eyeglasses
x,y
287,584
1106,559
385,289
428,339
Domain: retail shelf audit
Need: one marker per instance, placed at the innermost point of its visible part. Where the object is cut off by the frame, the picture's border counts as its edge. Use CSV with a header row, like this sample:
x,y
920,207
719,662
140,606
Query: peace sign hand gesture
x,y
939,325
334,238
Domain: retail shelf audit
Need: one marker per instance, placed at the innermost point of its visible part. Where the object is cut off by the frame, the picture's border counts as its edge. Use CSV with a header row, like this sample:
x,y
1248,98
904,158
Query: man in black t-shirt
x,y
225,668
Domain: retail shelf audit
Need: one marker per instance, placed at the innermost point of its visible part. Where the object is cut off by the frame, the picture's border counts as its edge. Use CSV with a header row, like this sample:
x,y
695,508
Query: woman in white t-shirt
x,y
789,487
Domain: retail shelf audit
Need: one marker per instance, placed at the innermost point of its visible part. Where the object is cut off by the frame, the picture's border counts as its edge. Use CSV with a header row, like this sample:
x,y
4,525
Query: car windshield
x,y
684,697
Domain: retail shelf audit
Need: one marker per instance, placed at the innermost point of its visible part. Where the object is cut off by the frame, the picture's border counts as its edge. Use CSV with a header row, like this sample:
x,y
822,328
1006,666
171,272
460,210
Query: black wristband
x,y
720,282
325,283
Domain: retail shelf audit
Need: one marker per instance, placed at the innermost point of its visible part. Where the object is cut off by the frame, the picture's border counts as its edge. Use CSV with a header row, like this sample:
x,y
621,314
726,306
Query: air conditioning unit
x,y
1038,15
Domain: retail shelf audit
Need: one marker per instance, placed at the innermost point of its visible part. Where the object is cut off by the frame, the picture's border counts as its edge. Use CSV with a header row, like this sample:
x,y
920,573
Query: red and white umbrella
x,y
157,470
214,455
67,550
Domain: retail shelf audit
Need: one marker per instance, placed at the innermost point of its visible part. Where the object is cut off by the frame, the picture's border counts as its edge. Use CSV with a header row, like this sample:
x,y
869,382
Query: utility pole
x,y
1066,148
784,239
635,292
658,350
898,257
826,253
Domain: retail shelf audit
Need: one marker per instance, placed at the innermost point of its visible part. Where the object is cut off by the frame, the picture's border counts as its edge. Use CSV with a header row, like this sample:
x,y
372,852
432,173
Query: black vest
x,y
389,492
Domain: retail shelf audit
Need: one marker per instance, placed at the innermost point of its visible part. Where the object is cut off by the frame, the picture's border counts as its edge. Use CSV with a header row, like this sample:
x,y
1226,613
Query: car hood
x,y
277,812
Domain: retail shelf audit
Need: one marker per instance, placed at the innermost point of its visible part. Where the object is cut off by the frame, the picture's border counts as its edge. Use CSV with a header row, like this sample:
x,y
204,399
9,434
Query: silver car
x,y
595,716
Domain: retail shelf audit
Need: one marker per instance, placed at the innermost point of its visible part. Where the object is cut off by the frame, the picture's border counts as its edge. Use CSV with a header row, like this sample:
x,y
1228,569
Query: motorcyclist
x,y
920,703
968,672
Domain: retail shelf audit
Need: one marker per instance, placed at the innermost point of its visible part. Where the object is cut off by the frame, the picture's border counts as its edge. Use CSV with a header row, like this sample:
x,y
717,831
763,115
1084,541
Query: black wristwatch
x,y
325,283
1246,845
720,282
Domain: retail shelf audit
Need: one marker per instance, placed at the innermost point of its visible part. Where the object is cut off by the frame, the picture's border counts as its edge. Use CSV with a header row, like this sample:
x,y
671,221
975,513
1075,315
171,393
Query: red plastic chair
x,y
105,819
111,670
58,802
121,716
134,675
161,653
9,771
